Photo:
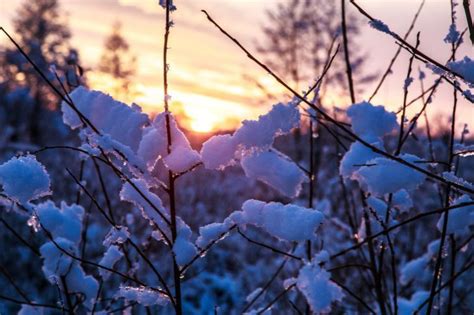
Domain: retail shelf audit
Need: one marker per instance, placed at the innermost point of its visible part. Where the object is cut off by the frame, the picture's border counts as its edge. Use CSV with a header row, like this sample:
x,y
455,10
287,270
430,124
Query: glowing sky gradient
x,y
207,70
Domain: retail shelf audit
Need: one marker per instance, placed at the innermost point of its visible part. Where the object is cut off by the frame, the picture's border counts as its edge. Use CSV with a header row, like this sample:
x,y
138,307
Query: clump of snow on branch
x,y
417,269
383,176
285,222
123,123
219,151
171,6
116,235
183,248
357,156
65,222
459,219
276,170
57,265
24,179
110,258
251,144
381,27
464,67
142,295
138,193
154,145
281,119
314,283
30,310
453,35
64,226
212,232
408,307
129,131
55,262
371,122
402,200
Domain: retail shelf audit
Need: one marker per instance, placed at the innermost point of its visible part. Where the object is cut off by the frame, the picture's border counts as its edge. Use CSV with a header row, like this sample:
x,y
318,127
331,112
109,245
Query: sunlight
x,y
201,125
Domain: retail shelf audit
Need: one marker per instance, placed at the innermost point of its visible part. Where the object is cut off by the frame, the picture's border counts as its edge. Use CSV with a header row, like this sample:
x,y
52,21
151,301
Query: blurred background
x,y
212,83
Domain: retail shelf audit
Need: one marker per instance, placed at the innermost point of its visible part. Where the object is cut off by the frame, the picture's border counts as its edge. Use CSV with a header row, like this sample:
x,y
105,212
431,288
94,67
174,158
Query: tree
x,y
43,35
299,35
118,62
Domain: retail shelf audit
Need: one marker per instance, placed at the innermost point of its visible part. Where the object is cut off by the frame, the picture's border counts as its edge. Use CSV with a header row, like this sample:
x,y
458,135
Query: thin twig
x,y
396,226
346,51
399,49
467,10
273,249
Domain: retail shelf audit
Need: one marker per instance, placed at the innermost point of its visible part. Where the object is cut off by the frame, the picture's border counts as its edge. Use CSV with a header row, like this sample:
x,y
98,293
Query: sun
x,y
202,124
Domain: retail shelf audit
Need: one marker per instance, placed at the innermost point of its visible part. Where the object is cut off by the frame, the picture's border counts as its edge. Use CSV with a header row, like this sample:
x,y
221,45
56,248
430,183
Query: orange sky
x,y
207,71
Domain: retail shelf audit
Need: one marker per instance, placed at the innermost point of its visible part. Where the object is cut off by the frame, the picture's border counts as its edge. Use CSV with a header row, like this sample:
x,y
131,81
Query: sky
x,y
208,73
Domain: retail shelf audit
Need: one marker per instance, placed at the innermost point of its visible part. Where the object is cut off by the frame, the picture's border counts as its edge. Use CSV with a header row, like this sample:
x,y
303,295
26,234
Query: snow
x,y
459,219
379,206
130,194
252,213
30,310
408,307
78,281
417,269
275,170
371,122
211,232
182,159
286,222
171,6
218,152
24,179
315,284
116,235
110,258
291,222
65,222
154,145
450,176
453,35
253,294
55,262
380,26
123,123
141,295
357,156
463,150
433,248
260,133
407,83
183,248
402,200
383,176
414,269
464,67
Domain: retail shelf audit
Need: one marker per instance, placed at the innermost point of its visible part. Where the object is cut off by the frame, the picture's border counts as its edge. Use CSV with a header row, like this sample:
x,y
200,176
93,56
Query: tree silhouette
x,y
299,35
118,62
43,34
